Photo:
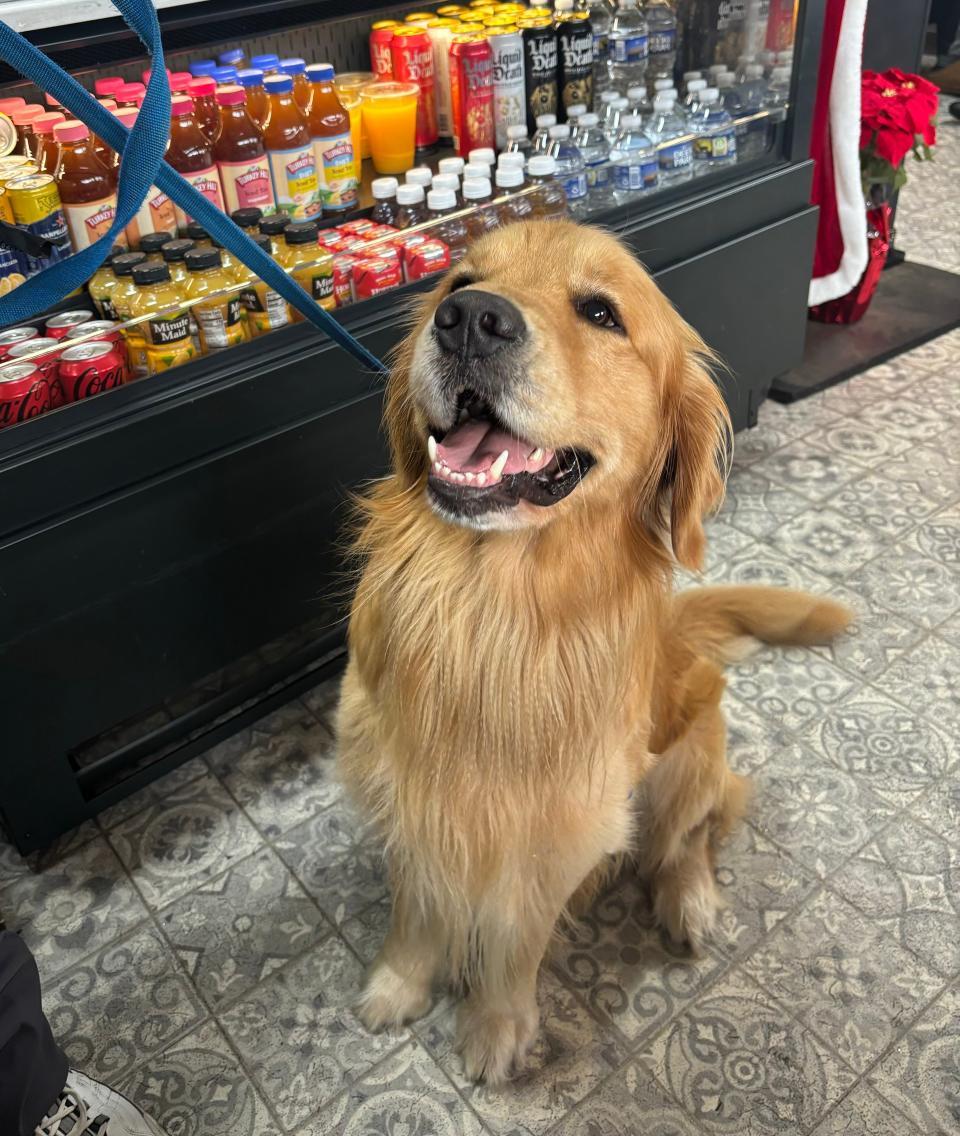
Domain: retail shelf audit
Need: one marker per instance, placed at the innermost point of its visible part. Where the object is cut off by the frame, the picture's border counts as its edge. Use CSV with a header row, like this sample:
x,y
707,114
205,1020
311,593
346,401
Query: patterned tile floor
x,y
201,943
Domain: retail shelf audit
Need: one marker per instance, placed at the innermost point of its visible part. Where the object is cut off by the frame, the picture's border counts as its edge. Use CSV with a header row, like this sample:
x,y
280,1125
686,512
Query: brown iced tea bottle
x,y
88,190
191,154
203,92
241,155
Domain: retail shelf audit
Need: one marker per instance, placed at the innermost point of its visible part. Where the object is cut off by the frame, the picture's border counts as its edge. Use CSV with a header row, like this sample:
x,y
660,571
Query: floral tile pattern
x,y
202,942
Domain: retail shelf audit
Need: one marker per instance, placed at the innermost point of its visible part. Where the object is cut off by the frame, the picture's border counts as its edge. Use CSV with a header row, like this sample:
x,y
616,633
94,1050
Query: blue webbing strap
x,y
142,165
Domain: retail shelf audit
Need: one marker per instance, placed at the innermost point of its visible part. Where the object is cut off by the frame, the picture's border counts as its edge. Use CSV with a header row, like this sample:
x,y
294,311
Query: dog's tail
x,y
725,623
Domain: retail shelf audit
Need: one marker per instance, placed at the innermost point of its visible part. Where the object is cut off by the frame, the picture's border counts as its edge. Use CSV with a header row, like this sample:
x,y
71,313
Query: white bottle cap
x,y
724,79
609,96
544,121
562,130
662,99
630,122
563,5
754,71
511,158
383,187
409,194
588,120
576,111
542,165
710,95
697,85
419,175
482,154
743,60
516,132
446,181
620,103
780,73
662,84
785,57
626,3
476,169
688,75
451,166
441,199
475,188
636,92
716,68
509,176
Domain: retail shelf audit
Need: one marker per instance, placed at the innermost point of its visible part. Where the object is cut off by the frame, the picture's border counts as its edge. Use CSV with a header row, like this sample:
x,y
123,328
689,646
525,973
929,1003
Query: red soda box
x,y
343,279
375,274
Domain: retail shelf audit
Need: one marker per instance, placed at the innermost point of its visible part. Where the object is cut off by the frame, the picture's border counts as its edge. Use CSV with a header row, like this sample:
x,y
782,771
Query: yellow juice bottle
x,y
266,309
309,264
167,334
122,297
102,284
219,318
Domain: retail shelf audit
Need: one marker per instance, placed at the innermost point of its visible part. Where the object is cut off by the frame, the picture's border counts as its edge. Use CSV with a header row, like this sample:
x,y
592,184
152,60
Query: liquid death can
x,y
471,93
540,69
441,35
413,63
24,392
381,58
89,368
509,92
575,59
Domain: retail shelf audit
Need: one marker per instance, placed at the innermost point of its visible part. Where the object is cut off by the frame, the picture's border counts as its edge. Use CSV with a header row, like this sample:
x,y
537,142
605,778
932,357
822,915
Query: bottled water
x,y
628,46
607,99
695,87
573,117
518,142
743,62
616,110
570,169
754,87
595,151
662,38
778,94
688,75
669,134
541,139
635,164
639,101
662,84
750,95
714,70
715,137
600,22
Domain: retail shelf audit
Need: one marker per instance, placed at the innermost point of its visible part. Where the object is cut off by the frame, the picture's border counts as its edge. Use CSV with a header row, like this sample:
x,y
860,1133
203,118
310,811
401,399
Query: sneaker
x,y
88,1108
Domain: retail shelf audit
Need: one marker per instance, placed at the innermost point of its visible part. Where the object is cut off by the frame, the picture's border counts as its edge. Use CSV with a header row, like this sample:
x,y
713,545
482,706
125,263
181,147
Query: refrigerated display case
x,y
170,564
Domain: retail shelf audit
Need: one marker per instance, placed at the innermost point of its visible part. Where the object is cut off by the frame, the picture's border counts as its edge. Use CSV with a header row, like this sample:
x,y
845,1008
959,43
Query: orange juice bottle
x,y
166,334
46,152
241,155
88,191
332,142
296,69
258,105
293,166
190,152
309,264
265,308
220,319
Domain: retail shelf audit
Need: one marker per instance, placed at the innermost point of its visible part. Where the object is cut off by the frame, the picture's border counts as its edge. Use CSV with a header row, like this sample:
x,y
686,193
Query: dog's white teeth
x,y
432,448
437,467
481,478
496,470
457,476
469,477
536,456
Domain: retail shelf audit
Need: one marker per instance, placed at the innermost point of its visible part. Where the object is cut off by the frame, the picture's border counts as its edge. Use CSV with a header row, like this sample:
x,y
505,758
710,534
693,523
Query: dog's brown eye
x,y
599,313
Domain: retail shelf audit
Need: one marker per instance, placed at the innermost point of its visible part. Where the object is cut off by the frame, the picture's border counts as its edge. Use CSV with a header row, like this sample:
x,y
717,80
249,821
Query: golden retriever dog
x,y
527,700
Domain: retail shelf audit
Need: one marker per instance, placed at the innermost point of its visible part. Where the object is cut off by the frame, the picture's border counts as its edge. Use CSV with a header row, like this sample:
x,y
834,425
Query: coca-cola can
x,y
381,56
60,325
471,93
14,335
89,368
97,329
24,392
43,353
413,63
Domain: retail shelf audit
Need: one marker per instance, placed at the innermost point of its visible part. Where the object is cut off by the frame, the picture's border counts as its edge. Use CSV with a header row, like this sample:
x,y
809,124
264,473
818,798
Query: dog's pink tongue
x,y
474,446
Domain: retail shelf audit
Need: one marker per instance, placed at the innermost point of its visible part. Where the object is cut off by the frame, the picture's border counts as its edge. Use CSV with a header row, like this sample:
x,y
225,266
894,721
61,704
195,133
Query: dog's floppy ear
x,y
697,434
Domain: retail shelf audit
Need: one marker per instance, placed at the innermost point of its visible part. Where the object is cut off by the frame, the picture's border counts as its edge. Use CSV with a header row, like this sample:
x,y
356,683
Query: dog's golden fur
x,y
517,698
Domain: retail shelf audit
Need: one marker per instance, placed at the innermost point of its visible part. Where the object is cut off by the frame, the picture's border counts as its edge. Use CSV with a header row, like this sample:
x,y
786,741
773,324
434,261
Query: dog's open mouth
x,y
480,464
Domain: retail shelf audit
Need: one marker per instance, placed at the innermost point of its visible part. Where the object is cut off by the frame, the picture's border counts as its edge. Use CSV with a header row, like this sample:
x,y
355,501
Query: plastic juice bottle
x,y
384,192
296,69
449,181
247,219
224,76
204,94
549,200
258,106
167,336
191,154
451,230
122,297
411,209
88,191
477,192
152,244
46,151
348,84
103,282
518,206
273,227
235,57
310,265
265,308
23,119
241,155
129,95
293,167
269,64
173,253
199,235
220,318
332,138
232,266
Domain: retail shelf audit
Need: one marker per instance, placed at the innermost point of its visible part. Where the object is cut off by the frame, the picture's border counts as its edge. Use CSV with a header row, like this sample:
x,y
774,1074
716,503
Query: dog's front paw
x,y
389,1000
687,909
493,1045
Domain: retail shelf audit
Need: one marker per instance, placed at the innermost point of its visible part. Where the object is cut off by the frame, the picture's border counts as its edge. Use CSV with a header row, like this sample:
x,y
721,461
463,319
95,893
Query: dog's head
x,y
548,373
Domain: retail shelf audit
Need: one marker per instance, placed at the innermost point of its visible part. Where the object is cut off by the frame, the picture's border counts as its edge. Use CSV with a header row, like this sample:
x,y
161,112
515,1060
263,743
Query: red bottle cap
x,y
108,104
127,116
52,100
109,85
180,80
70,131
231,95
181,105
45,123
26,114
129,91
15,103
202,86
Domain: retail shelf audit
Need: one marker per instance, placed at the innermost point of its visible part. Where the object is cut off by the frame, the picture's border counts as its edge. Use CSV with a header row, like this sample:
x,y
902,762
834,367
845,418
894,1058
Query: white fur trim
x,y
845,142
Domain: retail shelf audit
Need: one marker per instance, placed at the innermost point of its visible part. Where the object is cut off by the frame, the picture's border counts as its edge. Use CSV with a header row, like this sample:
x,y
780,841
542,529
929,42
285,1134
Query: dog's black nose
x,y
477,323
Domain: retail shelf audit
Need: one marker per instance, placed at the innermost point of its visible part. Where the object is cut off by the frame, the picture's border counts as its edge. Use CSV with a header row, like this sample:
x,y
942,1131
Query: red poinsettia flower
x,y
898,113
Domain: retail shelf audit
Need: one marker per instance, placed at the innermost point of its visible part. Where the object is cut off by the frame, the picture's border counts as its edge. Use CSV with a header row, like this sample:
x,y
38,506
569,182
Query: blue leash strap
x,y
142,166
